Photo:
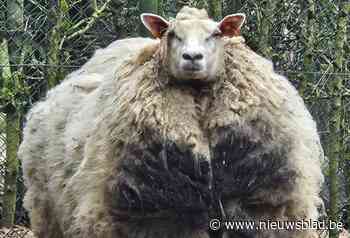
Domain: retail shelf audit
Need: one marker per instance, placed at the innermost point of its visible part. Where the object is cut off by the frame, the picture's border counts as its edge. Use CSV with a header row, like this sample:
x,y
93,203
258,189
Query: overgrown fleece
x,y
118,150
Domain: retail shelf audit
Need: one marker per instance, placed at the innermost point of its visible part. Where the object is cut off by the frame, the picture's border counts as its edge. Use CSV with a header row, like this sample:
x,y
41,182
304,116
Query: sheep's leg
x,y
38,219
43,223
90,218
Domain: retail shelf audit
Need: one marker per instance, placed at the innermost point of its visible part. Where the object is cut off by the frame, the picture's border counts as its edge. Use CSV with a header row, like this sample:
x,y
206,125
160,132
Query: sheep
x,y
189,127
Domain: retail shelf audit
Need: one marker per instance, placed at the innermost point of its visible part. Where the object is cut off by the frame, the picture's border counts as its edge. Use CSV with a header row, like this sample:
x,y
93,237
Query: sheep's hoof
x,y
161,177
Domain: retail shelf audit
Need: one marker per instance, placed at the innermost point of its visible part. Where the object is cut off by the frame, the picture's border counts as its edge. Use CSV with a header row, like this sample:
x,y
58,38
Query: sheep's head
x,y
193,43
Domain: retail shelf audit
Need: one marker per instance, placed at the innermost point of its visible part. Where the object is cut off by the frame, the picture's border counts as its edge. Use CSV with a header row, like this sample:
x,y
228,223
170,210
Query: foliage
x,y
12,91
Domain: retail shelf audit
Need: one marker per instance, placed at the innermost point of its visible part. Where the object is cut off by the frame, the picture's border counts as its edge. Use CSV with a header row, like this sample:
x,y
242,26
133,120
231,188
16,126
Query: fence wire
x,y
2,151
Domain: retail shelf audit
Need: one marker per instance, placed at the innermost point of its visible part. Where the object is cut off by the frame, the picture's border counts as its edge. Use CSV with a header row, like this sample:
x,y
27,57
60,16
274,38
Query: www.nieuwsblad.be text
x,y
216,224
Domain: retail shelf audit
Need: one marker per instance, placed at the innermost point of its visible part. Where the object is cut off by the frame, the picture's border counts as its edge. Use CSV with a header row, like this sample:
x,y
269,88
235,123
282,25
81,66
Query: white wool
x,y
74,140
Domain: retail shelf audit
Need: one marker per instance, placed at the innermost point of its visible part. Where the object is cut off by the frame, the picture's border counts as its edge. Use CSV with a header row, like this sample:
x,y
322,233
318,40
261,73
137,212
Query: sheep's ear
x,y
231,25
155,24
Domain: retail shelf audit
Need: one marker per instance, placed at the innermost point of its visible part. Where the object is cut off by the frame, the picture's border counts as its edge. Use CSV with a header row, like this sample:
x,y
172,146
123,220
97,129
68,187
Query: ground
x,y
16,232
24,232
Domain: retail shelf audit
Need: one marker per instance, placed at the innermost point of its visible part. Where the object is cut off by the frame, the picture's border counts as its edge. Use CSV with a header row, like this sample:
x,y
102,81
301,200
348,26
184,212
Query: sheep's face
x,y
195,45
195,50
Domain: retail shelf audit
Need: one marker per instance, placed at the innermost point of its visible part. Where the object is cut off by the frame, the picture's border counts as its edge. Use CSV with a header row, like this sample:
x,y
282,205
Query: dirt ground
x,y
16,232
23,232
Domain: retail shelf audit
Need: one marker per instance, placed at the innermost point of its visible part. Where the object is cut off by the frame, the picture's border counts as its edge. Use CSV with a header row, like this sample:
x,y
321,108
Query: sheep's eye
x,y
173,35
178,38
215,35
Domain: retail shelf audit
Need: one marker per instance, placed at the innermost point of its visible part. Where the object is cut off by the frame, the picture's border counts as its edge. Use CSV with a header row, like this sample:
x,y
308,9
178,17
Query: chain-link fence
x,y
2,157
42,41
2,152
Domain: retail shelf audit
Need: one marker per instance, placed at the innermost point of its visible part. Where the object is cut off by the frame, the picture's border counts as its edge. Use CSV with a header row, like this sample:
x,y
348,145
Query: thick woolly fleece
x,y
118,150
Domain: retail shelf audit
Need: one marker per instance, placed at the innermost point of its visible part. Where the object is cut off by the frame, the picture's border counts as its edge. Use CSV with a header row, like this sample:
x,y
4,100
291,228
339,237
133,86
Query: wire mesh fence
x,y
2,151
42,41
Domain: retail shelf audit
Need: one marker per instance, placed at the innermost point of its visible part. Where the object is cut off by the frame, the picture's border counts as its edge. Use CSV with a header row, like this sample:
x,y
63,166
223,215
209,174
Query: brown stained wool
x,y
132,153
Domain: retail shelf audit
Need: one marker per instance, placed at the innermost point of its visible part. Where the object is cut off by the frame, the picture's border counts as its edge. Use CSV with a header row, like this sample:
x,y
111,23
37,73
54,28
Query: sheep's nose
x,y
192,56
